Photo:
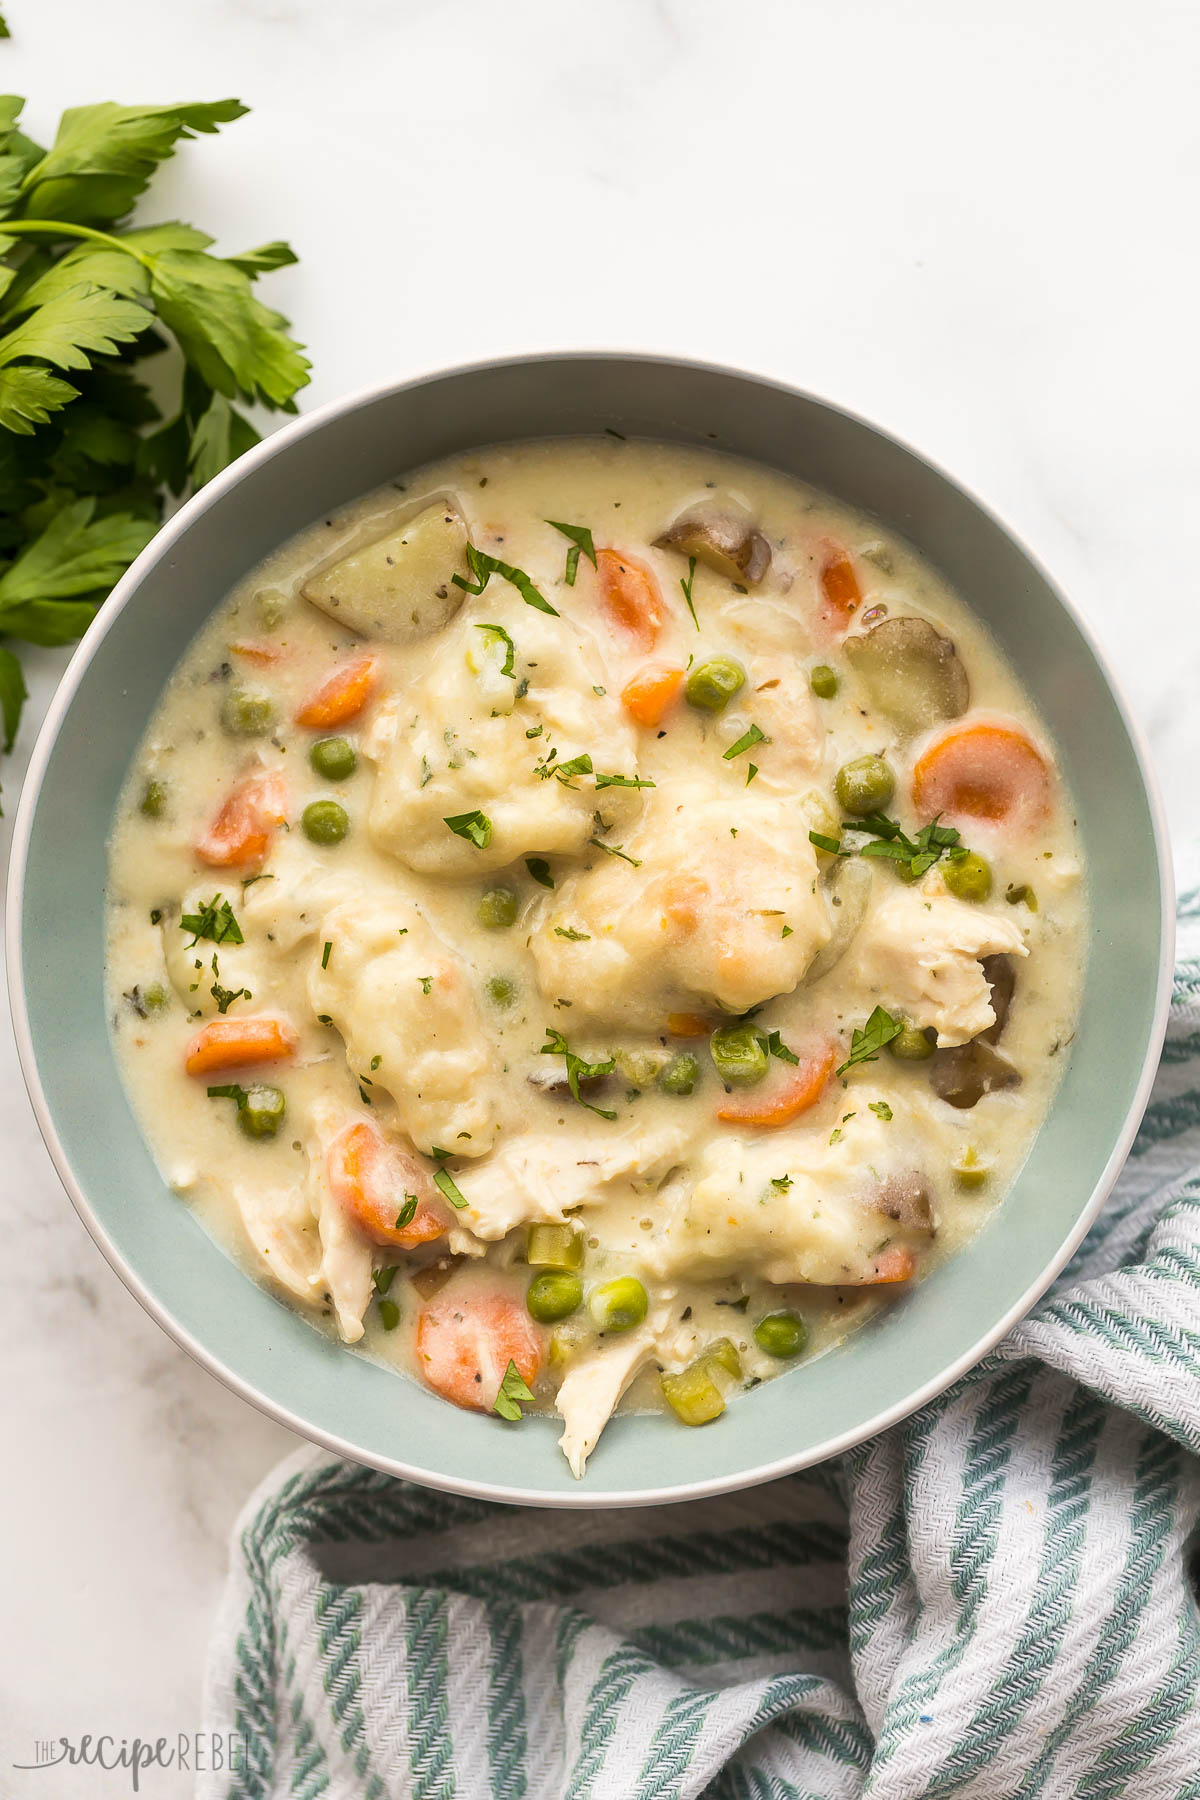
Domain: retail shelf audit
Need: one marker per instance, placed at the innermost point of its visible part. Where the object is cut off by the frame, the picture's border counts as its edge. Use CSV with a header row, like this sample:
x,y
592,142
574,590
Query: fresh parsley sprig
x,y
581,540
215,921
577,1069
514,1390
866,1044
84,299
889,841
483,567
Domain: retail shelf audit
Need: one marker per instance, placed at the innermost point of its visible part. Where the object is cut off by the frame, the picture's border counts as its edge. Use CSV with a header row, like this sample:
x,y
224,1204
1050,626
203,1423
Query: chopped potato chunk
x,y
398,586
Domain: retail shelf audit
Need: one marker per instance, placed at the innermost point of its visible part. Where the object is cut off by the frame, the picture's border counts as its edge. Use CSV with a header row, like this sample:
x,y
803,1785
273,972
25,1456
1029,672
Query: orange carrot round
x,y
896,1263
651,692
841,596
240,835
983,771
788,1090
465,1342
375,1181
235,1043
341,696
630,596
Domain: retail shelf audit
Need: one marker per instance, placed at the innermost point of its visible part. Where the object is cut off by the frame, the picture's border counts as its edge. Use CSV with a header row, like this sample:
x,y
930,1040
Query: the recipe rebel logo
x,y
197,1752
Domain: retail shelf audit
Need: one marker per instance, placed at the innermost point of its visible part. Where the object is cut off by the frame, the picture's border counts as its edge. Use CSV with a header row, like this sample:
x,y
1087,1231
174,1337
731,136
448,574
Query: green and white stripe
x,y
991,1602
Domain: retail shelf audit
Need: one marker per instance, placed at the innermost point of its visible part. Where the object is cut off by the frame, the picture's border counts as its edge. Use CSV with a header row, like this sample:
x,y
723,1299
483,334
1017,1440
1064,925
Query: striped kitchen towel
x,y
991,1600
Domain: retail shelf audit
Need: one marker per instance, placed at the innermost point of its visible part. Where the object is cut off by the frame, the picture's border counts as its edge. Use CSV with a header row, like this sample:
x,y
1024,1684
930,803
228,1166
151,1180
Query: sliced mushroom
x,y
398,586
911,673
1002,979
723,536
906,1199
963,1075
847,891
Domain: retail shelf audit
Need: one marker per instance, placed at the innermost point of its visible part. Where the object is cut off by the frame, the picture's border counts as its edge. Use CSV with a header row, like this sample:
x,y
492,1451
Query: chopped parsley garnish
x,y
539,868
777,1047
510,649
624,781
577,1069
375,1062
225,997
513,1391
826,843
383,1278
326,953
215,921
881,1109
155,914
751,772
569,931
616,850
581,540
866,1044
426,982
229,1091
745,742
781,1183
1021,895
535,731
407,1213
444,1182
786,932
575,765
363,1094
475,826
893,844
389,1314
687,589
483,567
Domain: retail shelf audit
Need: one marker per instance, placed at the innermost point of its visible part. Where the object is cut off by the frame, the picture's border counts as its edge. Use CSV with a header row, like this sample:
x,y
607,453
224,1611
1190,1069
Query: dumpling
x,y
405,1005
918,954
799,1207
468,737
724,909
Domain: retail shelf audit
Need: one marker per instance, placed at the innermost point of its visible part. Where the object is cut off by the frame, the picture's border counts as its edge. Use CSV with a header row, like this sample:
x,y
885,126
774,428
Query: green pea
x,y
968,877
740,1054
501,990
781,1334
325,822
640,1067
497,908
554,1294
154,800
680,1075
618,1305
247,713
865,785
823,681
264,1108
712,684
334,758
912,1045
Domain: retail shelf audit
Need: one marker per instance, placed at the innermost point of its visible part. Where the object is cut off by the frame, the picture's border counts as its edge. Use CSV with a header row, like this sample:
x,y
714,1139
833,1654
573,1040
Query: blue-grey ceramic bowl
x,y
256,1344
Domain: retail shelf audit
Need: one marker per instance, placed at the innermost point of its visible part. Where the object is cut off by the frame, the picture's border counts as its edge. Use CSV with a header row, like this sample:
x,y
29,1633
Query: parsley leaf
x,y
687,589
215,920
557,1045
623,781
13,694
510,649
748,738
513,1391
866,1044
475,826
581,539
881,1109
539,868
777,1047
103,156
445,1185
407,1213
483,567
229,1091
616,850
569,931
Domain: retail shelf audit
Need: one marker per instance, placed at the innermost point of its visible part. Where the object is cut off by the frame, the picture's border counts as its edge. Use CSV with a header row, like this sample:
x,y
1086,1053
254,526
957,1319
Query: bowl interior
x,y
258,1343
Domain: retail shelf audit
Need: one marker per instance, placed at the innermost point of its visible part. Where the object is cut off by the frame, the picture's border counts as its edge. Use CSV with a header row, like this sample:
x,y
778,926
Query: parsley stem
x,y
60,228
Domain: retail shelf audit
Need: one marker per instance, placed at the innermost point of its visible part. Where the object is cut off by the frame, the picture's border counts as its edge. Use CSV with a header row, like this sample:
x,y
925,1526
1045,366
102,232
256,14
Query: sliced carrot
x,y
983,771
375,1181
788,1090
341,696
257,652
688,1025
897,1263
465,1342
651,692
630,595
241,833
841,595
234,1043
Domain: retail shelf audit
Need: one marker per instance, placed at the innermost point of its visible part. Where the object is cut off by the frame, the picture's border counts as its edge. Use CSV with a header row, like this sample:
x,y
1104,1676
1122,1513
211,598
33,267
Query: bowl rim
x,y
581,1497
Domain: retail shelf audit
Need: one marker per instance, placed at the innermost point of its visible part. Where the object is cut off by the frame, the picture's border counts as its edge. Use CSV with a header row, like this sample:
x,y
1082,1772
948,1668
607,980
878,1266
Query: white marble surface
x,y
973,225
